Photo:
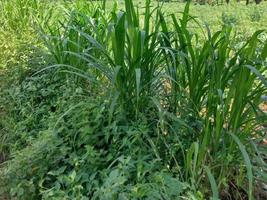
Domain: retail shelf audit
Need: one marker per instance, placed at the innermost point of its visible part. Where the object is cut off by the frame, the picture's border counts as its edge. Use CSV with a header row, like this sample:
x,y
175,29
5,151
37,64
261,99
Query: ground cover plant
x,y
128,100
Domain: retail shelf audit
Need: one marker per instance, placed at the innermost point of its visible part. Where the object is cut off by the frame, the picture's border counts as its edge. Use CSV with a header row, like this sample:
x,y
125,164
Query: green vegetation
x,y
129,100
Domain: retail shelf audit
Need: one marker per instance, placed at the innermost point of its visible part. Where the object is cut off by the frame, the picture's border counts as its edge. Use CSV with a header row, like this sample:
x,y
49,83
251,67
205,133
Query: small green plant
x,y
255,15
229,19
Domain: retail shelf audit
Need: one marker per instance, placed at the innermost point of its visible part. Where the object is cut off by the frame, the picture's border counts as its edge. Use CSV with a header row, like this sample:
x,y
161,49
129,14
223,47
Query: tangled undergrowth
x,y
130,104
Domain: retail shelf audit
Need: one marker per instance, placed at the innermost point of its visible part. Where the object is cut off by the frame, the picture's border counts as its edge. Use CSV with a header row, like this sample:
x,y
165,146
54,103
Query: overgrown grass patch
x,y
122,102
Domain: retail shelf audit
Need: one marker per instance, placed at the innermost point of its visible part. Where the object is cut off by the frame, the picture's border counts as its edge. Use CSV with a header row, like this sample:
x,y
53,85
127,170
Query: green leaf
x,y
214,188
247,163
258,74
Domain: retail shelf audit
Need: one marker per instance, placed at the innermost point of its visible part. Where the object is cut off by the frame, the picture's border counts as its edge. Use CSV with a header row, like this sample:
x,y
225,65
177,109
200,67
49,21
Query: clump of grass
x,y
219,81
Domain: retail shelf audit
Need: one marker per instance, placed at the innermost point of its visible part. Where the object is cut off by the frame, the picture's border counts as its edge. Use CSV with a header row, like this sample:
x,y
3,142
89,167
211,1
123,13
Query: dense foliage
x,y
107,102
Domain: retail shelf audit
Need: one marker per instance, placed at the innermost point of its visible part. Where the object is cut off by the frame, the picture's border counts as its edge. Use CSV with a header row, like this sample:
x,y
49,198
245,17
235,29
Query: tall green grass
x,y
188,105
153,61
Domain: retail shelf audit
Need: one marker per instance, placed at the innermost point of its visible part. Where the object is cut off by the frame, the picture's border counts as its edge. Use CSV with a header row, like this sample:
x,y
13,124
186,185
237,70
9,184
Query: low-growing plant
x,y
255,16
229,19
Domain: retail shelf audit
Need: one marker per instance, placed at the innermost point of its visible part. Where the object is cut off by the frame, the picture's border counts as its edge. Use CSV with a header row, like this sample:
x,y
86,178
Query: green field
x,y
108,100
245,18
